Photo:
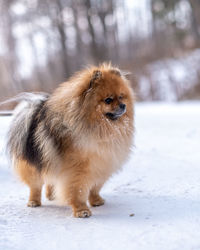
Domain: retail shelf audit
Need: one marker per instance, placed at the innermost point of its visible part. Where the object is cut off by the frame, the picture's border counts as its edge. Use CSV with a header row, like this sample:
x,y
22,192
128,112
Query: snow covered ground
x,y
159,187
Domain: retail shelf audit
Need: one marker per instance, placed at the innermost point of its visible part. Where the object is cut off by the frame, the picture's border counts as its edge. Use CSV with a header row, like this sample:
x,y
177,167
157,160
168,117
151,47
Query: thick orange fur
x,y
30,176
94,147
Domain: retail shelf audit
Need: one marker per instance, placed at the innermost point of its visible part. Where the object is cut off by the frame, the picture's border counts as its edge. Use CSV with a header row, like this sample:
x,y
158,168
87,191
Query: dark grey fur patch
x,y
20,125
31,150
43,118
33,125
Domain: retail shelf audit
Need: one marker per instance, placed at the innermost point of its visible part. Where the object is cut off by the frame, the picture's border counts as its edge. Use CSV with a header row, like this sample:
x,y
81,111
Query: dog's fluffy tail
x,y
22,117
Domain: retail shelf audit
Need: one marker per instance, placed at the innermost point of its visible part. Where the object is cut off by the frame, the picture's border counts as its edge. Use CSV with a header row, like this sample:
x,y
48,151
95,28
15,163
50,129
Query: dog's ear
x,y
120,73
96,77
116,72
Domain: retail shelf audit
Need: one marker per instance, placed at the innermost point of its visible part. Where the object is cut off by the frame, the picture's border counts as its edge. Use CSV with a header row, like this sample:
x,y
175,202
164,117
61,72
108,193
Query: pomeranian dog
x,y
75,139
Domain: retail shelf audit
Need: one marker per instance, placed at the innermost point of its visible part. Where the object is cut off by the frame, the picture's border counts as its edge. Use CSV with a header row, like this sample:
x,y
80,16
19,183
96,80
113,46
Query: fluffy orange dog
x,y
74,139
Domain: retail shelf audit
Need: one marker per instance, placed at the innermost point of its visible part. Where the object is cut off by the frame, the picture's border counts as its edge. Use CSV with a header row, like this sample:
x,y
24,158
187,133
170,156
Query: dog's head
x,y
108,94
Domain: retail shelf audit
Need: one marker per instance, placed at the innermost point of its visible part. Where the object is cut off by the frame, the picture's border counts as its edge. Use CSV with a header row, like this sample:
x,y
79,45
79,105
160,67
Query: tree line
x,y
44,41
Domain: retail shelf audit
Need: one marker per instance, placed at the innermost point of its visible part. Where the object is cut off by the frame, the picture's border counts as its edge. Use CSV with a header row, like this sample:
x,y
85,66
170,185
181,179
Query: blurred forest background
x,y
42,42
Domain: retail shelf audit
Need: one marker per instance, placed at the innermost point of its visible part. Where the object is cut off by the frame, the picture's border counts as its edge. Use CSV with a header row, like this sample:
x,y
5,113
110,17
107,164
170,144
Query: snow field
x,y
152,204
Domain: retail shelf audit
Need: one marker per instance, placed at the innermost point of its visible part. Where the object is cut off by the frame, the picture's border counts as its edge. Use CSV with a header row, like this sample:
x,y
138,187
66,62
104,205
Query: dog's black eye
x,y
108,100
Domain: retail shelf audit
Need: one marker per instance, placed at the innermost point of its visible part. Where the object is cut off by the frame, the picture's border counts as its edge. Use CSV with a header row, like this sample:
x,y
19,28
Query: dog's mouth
x,y
115,115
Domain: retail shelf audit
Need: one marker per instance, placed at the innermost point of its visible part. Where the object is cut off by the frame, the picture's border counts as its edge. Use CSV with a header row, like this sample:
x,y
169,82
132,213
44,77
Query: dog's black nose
x,y
122,106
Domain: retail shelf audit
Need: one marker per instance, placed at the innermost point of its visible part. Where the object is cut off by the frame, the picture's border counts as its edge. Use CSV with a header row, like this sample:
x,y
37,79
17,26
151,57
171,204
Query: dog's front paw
x,y
84,213
33,204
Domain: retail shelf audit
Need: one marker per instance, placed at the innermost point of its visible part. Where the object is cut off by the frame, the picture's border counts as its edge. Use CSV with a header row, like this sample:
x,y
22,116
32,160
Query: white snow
x,y
160,185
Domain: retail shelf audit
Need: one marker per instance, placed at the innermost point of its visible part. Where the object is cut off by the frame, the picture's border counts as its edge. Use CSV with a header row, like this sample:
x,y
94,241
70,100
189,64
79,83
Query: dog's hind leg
x,y
50,192
32,177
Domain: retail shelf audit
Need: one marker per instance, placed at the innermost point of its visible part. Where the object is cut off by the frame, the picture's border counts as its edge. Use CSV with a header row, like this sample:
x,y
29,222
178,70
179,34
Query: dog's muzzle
x,y
117,113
